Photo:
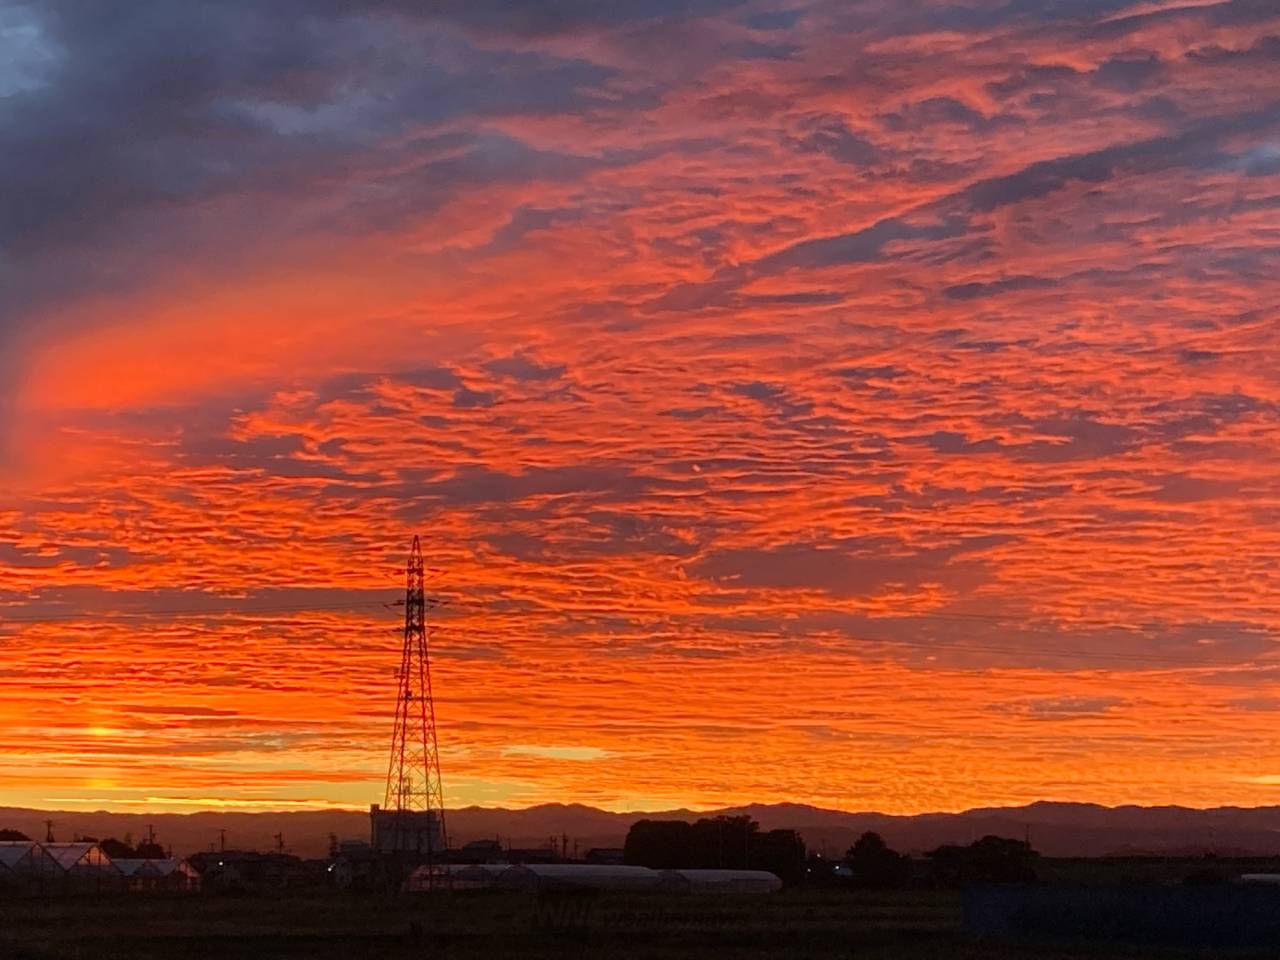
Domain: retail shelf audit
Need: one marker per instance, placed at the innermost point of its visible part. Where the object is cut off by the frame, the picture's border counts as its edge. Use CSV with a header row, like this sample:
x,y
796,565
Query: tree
x,y
117,849
7,834
723,843
779,851
659,844
989,860
873,864
728,843
950,864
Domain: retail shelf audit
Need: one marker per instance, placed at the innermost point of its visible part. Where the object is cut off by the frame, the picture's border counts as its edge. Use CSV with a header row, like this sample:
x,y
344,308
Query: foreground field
x,y
819,924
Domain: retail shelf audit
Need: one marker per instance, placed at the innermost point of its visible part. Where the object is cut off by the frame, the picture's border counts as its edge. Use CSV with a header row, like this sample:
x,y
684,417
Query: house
x,y
478,851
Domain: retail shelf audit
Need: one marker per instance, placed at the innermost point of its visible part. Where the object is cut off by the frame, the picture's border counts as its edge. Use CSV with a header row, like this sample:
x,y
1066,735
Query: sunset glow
x,y
797,401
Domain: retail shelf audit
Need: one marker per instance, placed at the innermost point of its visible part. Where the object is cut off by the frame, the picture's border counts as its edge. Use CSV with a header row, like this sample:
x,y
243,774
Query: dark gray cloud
x,y
465,399
481,485
1078,437
845,567
521,367
537,18
980,291
1185,488
832,136
1128,73
121,127
605,533
75,600
943,111
860,246
1200,145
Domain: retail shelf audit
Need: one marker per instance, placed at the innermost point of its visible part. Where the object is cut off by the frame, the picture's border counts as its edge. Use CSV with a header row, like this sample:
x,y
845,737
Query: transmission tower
x,y
414,796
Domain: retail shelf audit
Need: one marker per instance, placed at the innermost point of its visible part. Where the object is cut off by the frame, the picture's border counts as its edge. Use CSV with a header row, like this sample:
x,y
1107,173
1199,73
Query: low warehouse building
x,y
721,881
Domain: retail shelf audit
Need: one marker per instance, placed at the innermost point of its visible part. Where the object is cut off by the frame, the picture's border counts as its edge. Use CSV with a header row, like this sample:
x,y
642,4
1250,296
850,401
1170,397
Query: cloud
x,y
862,246
842,568
1067,708
558,753
520,367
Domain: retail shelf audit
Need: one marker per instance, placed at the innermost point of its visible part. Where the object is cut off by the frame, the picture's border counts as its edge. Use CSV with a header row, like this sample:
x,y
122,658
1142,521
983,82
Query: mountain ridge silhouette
x,y
1055,828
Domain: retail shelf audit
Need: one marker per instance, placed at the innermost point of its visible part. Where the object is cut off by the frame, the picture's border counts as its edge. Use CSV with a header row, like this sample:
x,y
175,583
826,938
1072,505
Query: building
x,y
408,834
479,851
610,855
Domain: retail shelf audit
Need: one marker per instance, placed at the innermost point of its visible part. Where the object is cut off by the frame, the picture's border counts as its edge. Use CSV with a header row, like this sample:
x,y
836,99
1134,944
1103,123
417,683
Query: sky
x,y
859,403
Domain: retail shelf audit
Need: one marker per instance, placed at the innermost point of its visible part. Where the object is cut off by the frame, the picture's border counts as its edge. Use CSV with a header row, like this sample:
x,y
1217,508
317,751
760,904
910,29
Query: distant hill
x,y
1055,829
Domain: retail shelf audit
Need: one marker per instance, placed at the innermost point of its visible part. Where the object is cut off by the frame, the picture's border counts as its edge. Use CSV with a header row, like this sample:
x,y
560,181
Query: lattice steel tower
x,y
413,807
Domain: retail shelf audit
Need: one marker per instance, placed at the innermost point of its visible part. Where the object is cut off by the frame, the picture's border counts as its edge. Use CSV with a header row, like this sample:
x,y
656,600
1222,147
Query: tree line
x,y
738,843
871,863
718,843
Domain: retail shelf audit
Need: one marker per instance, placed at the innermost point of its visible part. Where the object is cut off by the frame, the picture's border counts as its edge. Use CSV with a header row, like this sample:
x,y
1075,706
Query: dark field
x,y
495,925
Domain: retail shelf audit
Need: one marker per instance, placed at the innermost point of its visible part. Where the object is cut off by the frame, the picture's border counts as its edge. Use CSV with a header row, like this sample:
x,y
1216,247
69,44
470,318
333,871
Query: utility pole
x,y
222,841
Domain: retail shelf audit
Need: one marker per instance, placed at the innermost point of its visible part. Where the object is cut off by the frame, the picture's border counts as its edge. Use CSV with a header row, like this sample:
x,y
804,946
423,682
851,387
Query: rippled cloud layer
x,y
861,404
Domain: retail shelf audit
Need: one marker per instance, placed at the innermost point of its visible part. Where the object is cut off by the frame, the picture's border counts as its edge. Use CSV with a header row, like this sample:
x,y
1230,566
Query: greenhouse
x,y
721,881
81,865
23,863
583,875
167,874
